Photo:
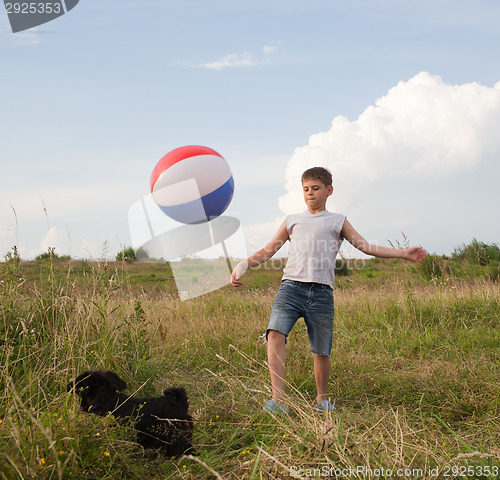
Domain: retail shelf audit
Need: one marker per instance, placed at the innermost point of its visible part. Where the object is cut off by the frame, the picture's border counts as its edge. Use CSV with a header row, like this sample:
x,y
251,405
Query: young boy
x,y
306,289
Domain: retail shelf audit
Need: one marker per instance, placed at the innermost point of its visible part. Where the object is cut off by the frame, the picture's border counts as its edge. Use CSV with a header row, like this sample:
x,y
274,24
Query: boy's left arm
x,y
415,254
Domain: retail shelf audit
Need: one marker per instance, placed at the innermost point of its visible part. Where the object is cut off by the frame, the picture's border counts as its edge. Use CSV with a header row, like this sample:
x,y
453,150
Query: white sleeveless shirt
x,y
315,240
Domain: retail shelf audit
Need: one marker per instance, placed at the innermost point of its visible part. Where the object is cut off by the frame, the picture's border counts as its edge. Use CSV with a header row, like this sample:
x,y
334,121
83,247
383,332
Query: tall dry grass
x,y
414,377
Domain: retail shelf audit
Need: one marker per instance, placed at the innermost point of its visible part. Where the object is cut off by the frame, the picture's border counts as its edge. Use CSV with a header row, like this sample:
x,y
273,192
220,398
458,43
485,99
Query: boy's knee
x,y
275,336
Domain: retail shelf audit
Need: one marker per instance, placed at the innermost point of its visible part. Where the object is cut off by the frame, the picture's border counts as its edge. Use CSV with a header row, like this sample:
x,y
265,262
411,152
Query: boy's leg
x,y
276,359
322,365
319,317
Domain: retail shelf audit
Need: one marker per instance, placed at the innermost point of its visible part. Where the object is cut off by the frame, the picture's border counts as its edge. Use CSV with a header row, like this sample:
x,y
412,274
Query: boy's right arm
x,y
260,256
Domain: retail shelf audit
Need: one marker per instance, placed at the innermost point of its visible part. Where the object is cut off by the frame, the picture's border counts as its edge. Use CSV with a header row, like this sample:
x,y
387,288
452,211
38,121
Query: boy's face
x,y
316,194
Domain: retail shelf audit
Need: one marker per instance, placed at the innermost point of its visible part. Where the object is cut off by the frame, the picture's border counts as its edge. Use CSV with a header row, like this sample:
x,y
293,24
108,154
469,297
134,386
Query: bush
x,y
435,266
126,255
478,252
494,271
51,254
12,257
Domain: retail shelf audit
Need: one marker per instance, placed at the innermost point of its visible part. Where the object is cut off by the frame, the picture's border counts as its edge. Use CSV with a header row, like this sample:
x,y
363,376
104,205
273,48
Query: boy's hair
x,y
320,173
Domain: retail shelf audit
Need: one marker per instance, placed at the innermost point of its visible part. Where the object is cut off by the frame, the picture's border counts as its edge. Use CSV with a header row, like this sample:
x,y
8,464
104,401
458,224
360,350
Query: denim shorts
x,y
313,302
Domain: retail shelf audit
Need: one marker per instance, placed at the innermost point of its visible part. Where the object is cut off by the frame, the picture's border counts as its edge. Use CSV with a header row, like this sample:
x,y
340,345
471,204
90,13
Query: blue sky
x,y
92,100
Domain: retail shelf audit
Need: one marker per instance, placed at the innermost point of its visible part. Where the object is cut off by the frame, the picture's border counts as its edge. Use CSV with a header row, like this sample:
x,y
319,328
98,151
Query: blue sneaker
x,y
325,406
274,407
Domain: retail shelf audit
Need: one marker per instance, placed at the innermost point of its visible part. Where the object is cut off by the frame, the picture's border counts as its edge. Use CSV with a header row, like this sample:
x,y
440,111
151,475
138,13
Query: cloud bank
x,y
424,160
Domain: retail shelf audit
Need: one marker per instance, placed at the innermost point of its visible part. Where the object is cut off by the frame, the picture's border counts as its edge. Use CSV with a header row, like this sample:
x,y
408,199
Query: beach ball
x,y
192,184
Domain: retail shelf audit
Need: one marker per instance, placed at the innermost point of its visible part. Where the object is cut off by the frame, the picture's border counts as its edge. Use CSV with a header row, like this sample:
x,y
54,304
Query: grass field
x,y
415,376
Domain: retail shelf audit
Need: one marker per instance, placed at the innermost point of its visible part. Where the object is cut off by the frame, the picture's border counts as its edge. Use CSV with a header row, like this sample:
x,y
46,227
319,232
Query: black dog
x,y
161,422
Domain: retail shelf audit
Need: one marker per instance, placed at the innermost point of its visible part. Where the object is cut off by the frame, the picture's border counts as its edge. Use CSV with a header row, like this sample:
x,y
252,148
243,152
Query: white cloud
x,y
74,212
421,160
232,60
57,239
8,239
26,38
245,59
270,49
29,38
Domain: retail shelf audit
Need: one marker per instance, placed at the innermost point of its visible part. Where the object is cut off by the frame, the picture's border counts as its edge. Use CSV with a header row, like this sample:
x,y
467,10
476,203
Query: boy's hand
x,y
235,281
415,254
238,271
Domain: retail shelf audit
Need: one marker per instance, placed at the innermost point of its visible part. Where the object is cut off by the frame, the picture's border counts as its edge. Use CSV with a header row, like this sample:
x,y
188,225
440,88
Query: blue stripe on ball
x,y
212,205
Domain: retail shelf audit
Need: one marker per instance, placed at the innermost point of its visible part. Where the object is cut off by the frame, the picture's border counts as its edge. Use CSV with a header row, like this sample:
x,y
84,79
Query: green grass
x,y
415,369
